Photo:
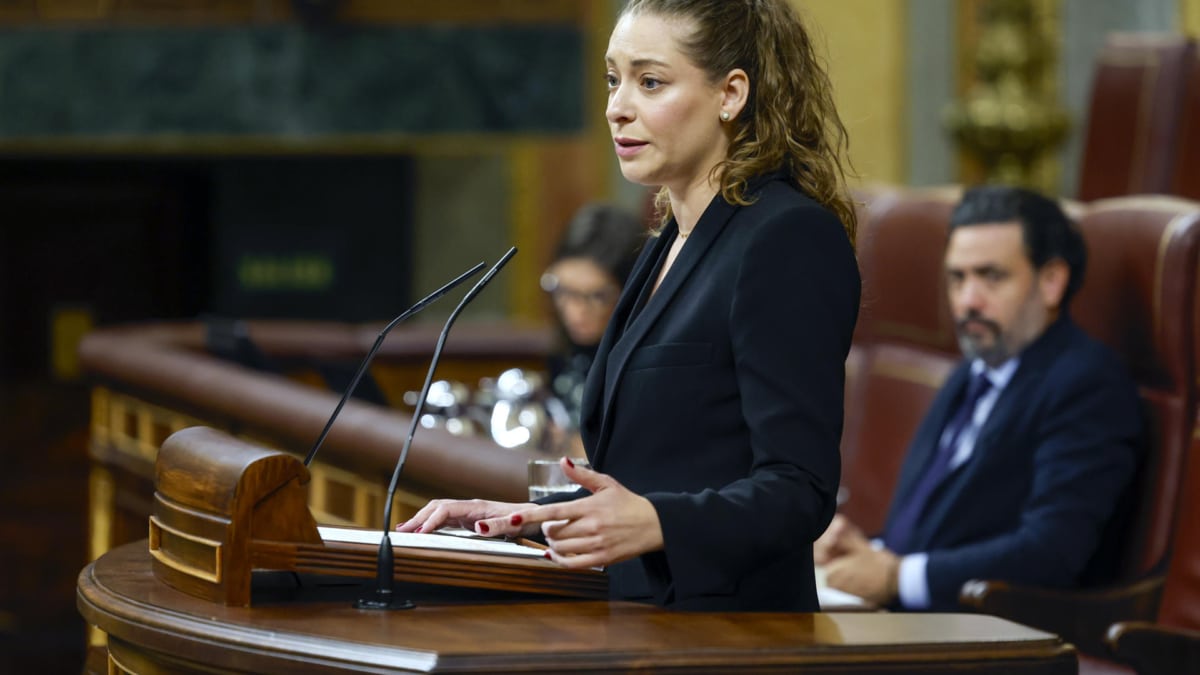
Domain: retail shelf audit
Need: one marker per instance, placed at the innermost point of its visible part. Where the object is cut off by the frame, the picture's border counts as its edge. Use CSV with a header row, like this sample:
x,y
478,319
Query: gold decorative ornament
x,y
1008,119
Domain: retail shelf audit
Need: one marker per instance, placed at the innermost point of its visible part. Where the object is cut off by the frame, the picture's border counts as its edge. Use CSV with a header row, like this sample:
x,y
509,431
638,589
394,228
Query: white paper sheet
x,y
460,540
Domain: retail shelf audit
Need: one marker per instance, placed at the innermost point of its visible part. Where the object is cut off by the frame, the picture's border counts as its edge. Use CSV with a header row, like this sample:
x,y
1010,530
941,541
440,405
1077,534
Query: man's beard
x,y
1029,323
973,347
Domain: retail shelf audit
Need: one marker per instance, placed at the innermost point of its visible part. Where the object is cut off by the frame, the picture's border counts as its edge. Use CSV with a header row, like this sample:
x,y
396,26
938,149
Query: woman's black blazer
x,y
720,400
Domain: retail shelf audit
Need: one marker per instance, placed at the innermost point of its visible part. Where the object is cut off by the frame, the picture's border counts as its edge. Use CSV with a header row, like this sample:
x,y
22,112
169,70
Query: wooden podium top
x,y
155,628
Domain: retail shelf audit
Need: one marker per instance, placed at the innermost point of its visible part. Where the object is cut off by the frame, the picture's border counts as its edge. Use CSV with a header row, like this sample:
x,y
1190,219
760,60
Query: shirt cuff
x,y
913,585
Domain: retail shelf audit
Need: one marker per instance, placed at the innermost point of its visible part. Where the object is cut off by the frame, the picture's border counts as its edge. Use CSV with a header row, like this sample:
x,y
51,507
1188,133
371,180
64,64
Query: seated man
x,y
1018,466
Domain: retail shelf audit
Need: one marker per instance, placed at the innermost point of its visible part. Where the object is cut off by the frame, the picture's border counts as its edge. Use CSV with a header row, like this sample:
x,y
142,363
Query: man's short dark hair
x,y
1047,231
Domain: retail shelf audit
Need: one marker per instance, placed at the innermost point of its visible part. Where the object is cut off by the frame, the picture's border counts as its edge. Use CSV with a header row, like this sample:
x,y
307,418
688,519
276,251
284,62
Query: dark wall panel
x,y
287,80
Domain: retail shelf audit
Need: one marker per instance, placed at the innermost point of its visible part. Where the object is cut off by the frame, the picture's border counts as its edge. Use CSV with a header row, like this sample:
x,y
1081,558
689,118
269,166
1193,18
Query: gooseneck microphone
x,y
362,367
382,597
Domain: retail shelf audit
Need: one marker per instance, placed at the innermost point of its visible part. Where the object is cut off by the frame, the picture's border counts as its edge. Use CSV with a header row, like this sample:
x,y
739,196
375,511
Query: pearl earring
x,y
724,115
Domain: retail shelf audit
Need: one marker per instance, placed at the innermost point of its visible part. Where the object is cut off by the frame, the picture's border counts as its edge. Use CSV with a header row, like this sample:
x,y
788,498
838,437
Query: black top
x,y
721,401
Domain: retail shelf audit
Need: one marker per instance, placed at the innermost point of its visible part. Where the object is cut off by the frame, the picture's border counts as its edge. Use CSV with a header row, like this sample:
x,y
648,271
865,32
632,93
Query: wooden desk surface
x,y
155,629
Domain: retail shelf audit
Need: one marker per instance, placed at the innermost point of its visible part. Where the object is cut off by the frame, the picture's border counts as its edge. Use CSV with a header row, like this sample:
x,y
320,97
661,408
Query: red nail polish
x,y
570,463
483,528
516,519
546,555
421,529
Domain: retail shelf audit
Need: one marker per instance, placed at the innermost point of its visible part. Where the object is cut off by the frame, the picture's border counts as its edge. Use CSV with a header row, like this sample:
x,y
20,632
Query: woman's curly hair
x,y
790,121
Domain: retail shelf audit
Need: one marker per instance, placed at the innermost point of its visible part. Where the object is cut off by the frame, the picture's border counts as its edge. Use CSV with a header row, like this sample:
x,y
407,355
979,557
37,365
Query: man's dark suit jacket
x,y
720,400
1051,463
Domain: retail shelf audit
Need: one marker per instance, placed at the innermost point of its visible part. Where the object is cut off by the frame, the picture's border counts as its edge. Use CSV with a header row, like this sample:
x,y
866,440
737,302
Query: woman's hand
x,y
611,525
465,513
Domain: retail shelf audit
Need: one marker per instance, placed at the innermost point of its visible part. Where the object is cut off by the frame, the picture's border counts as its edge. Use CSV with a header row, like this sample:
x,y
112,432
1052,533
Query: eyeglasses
x,y
599,299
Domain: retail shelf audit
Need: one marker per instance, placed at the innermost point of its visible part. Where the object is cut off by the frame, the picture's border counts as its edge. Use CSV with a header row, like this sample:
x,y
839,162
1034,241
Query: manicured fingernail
x,y
570,463
483,527
516,519
547,555
421,528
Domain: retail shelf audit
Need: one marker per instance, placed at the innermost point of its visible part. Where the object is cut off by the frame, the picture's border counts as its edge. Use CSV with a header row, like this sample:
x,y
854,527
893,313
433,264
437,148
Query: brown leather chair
x,y
1171,644
870,199
904,345
1134,115
1186,179
1139,297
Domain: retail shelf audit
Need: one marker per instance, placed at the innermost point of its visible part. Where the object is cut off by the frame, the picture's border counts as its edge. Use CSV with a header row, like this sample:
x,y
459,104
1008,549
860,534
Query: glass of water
x,y
546,477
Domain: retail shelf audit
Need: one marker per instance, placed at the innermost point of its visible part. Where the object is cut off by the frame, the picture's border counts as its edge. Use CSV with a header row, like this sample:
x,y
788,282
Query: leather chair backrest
x,y
1169,357
1186,179
1138,297
904,345
1183,610
1182,606
1181,594
870,199
900,249
1134,114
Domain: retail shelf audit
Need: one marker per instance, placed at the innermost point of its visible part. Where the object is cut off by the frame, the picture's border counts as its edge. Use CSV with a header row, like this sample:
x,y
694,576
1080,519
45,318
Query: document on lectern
x,y
447,539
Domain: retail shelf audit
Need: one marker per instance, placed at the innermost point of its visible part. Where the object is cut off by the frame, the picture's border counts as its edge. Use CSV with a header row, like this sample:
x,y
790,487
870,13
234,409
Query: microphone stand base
x,y
383,600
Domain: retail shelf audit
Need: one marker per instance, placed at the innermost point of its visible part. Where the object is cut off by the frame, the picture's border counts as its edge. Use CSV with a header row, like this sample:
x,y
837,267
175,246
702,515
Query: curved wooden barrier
x,y
154,379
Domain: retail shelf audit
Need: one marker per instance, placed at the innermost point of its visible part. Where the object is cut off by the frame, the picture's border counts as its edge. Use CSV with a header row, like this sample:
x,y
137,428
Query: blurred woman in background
x,y
594,258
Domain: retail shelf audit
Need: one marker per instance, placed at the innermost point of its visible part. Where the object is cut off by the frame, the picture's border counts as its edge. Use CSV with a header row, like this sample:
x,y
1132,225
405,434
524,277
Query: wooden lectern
x,y
224,508
314,630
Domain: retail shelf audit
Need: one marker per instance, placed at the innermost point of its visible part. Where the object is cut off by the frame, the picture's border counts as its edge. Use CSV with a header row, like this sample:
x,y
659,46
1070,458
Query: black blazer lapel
x,y
591,419
706,232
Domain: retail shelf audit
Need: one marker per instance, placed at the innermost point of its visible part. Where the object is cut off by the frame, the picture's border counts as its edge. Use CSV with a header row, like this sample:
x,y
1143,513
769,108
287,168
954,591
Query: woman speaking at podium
x,y
712,413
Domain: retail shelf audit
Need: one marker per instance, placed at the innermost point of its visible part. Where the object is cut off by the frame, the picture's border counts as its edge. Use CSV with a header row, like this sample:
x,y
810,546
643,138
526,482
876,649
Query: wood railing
x,y
151,380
